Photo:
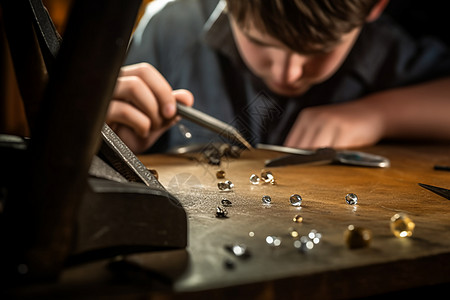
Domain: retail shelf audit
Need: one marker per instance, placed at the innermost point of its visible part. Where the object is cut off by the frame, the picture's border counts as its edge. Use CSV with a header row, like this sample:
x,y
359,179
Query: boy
x,y
306,74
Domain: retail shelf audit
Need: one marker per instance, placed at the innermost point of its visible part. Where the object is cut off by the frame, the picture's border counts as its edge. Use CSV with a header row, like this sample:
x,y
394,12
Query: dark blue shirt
x,y
190,42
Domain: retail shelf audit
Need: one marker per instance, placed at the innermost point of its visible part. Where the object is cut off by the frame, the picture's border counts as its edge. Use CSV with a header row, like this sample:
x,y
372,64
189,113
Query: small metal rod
x,y
212,123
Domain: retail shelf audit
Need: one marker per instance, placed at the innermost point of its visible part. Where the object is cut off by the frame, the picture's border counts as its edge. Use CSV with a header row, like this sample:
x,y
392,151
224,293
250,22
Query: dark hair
x,y
303,25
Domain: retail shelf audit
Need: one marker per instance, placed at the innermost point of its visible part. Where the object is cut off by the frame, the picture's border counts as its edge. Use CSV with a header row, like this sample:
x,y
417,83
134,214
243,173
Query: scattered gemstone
x,y
293,232
254,179
226,202
221,212
272,240
351,199
295,200
225,186
357,237
266,199
251,234
239,250
304,244
220,174
185,131
315,236
297,219
402,226
267,176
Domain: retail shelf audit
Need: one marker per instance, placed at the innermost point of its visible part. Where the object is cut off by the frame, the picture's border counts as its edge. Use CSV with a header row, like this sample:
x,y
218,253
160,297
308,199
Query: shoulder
x,y
386,55
167,27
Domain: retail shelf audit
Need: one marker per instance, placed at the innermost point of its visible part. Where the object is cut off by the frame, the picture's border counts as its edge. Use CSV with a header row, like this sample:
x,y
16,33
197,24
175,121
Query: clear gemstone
x,y
266,199
351,199
220,174
254,179
267,176
226,202
225,186
315,236
402,226
295,200
239,249
274,241
297,219
357,237
221,212
304,244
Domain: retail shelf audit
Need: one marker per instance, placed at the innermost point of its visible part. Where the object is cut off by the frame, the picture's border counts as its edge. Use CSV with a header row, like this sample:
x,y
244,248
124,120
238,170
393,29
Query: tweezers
x,y
437,190
212,123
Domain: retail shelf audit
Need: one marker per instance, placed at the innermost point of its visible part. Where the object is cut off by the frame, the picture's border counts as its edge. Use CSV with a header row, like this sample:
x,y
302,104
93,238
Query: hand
x,y
143,106
348,125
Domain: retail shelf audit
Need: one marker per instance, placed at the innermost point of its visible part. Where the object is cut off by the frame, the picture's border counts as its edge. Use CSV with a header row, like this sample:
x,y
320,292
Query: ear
x,y
377,10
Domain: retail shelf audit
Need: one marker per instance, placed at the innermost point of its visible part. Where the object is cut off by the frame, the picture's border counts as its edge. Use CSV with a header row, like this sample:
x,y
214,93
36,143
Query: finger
x,y
120,112
184,96
134,90
157,84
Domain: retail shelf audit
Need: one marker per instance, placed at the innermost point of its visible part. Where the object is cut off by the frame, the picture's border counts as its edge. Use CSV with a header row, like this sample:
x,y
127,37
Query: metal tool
x,y
212,123
324,155
437,190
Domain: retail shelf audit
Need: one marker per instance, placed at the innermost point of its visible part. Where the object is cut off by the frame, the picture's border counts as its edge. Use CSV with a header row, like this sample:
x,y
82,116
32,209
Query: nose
x,y
288,67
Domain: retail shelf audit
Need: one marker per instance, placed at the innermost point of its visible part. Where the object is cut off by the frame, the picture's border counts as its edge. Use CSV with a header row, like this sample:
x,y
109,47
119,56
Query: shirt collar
x,y
217,33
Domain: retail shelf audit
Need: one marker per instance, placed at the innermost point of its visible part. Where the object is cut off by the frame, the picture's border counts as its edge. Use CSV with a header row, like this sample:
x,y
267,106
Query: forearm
x,y
421,111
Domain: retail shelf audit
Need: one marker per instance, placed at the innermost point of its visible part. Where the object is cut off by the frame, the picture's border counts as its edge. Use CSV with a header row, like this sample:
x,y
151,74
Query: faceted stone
x,y
239,250
351,199
304,244
226,202
295,200
293,232
225,186
357,237
402,226
315,236
274,241
297,219
254,179
220,174
221,212
266,199
267,176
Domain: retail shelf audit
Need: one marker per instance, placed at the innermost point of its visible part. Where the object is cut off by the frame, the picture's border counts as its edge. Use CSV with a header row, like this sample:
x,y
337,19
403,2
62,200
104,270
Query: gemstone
x,y
304,244
266,199
221,212
402,225
220,174
357,237
225,186
267,176
226,202
295,200
351,199
315,236
297,219
239,250
254,179
251,234
274,241
293,232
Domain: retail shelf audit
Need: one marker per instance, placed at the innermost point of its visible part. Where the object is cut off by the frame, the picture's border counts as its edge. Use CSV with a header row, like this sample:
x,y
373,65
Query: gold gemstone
x,y
357,237
402,226
297,219
220,174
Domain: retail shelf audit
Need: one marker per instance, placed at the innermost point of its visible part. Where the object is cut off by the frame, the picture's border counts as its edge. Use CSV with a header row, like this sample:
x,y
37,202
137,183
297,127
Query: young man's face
x,y
285,72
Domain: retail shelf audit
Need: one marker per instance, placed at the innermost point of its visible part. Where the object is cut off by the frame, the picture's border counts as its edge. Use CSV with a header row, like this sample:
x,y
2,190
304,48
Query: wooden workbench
x,y
329,270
